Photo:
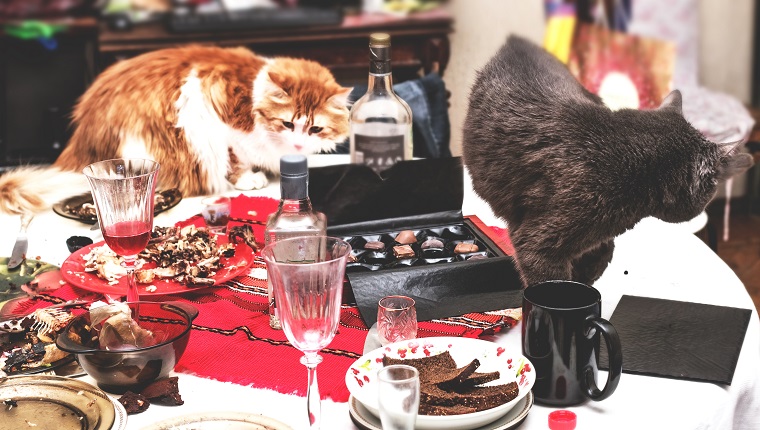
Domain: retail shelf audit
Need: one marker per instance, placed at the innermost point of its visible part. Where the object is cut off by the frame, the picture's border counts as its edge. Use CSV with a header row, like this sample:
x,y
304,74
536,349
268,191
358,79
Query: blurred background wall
x,y
481,27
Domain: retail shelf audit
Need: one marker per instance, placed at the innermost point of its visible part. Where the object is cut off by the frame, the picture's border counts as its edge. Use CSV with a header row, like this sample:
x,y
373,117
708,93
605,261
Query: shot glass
x,y
216,213
399,396
396,319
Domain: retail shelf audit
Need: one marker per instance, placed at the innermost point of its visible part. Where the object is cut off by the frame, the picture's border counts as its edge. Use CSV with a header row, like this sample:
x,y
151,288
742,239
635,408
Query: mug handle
x,y
615,353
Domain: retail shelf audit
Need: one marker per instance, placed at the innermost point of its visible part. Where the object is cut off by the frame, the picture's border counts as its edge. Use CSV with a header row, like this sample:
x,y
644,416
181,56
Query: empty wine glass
x,y
307,279
123,190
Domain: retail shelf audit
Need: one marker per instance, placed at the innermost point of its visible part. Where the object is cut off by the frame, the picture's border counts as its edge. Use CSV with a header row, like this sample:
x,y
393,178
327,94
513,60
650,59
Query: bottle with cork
x,y
380,121
294,216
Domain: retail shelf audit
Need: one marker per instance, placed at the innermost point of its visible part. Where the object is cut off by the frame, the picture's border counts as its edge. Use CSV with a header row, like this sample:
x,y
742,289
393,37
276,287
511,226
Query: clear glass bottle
x,y
294,216
381,122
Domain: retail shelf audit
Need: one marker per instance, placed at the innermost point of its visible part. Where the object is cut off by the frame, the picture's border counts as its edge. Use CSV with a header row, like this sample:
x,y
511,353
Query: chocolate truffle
x,y
466,248
431,243
375,245
406,237
403,251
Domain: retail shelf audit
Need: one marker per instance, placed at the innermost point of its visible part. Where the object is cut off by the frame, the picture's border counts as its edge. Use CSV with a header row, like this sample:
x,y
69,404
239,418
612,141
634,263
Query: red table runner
x,y
231,339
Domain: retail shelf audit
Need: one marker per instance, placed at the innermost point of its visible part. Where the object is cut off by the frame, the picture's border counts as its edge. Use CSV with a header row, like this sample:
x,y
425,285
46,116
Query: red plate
x,y
72,271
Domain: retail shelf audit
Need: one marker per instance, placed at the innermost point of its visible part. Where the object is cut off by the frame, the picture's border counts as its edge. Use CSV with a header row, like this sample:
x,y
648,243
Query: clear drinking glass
x,y
216,213
399,396
307,278
396,319
123,190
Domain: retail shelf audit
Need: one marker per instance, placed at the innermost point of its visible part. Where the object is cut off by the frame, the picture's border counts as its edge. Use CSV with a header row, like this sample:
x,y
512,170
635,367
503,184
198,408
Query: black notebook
x,y
679,339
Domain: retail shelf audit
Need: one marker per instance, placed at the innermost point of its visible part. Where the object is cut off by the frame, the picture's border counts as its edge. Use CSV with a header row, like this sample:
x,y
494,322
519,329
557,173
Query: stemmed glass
x,y
123,190
307,279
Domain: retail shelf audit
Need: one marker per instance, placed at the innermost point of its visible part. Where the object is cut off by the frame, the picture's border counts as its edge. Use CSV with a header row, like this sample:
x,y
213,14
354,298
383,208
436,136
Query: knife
x,y
18,255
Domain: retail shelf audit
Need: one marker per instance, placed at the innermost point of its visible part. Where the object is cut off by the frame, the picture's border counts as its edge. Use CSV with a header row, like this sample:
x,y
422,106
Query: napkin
x,y
679,339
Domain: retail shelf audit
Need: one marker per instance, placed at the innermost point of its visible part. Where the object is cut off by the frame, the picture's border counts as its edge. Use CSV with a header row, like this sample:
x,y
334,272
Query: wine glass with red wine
x,y
123,190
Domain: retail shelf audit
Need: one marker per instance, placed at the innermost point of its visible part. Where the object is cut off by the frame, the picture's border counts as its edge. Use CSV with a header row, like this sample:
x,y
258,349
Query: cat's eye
x,y
289,125
315,130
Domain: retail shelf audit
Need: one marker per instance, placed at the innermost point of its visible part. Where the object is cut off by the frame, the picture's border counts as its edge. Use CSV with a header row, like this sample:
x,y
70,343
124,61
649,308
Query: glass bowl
x,y
131,366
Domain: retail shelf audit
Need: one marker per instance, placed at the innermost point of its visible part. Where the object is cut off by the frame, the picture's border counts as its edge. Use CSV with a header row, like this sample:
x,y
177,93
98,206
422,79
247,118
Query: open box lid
x,y
410,193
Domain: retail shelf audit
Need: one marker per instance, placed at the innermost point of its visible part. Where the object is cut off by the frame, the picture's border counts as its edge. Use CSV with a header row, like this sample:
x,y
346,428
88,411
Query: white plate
x,y
512,366
120,421
219,420
366,421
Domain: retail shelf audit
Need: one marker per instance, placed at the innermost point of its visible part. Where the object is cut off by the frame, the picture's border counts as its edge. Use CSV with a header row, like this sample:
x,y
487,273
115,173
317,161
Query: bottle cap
x,y
293,166
379,39
562,420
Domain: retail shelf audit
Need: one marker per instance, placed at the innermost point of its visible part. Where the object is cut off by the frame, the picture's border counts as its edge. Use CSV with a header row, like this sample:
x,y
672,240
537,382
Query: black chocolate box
x,y
425,197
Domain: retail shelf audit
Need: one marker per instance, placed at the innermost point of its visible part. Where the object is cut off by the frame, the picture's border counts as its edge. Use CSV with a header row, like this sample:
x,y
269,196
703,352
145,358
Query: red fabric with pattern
x,y
231,339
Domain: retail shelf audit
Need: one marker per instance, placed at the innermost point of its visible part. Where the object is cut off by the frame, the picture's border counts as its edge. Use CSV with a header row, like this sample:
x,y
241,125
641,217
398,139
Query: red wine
x,y
127,237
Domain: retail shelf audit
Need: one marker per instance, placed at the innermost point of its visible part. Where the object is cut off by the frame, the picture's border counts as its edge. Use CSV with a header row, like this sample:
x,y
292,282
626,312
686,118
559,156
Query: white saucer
x,y
365,420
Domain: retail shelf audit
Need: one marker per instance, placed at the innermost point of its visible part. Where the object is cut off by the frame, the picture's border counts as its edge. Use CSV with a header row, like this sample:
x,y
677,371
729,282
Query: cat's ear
x,y
732,160
340,99
673,102
273,87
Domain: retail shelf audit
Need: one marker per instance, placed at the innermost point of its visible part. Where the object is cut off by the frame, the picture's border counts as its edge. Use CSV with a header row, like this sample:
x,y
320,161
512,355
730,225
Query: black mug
x,y
562,324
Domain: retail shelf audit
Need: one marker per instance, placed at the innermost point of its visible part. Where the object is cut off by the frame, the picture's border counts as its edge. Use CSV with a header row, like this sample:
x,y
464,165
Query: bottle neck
x,y
380,69
295,205
294,188
380,83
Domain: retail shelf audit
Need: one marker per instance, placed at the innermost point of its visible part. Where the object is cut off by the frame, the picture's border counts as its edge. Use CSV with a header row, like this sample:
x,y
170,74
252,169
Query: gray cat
x,y
568,174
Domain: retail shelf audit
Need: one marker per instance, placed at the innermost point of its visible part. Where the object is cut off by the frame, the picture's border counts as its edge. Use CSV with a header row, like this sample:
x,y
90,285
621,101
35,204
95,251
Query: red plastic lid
x,y
562,420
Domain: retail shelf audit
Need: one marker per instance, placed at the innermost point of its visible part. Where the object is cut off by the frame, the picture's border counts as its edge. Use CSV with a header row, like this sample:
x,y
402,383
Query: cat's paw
x,y
252,181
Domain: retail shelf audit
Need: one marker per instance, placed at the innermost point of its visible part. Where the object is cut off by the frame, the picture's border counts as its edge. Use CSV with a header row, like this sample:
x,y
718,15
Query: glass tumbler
x,y
399,396
396,319
216,213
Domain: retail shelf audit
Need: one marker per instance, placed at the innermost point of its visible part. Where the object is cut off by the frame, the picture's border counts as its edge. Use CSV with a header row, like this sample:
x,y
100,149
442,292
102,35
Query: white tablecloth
x,y
661,260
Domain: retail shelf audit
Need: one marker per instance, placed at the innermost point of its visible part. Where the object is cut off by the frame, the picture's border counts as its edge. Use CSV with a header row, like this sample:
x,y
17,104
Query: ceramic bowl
x,y
118,370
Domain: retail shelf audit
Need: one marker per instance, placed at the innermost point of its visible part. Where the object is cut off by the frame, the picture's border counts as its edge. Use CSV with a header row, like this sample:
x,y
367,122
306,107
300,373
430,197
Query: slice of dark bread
x,y
454,377
426,366
479,398
480,378
426,409
490,396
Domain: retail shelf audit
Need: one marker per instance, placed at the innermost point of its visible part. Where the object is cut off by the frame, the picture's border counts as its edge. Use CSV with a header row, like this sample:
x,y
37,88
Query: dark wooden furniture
x,y
39,83
39,87
420,43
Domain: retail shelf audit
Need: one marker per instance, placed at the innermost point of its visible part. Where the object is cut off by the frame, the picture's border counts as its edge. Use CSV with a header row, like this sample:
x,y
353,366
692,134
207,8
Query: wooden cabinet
x,y
420,43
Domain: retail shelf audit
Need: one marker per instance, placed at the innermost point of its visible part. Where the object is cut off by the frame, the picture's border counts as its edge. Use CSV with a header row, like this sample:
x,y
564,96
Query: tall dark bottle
x,y
381,122
294,216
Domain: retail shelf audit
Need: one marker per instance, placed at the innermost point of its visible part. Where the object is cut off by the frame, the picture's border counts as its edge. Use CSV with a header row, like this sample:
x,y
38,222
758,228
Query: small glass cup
x,y
398,396
216,213
396,319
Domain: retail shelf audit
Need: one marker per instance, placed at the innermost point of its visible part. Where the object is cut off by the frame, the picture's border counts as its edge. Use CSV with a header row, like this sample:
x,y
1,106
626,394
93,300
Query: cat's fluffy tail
x,y
35,189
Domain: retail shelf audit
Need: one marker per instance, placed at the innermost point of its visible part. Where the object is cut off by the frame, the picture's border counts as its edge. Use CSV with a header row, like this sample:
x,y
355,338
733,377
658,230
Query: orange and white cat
x,y
212,117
